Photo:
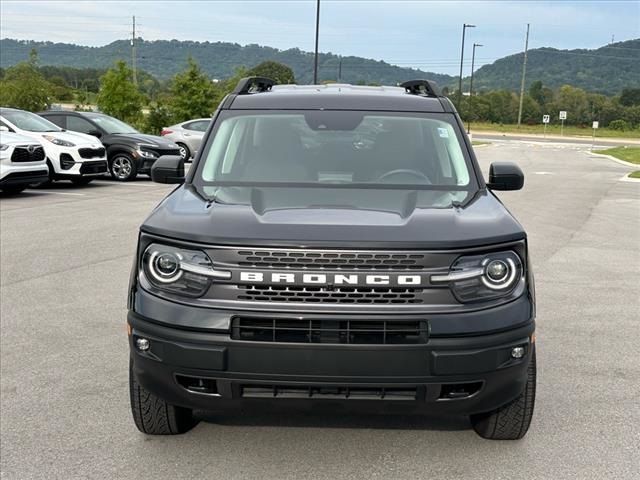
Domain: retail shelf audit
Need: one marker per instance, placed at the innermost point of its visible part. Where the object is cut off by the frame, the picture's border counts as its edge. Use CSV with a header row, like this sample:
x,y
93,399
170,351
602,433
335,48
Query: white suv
x,y
70,155
22,162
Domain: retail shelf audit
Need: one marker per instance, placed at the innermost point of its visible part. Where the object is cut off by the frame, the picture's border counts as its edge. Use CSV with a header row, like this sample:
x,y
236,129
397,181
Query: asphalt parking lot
x,y
66,254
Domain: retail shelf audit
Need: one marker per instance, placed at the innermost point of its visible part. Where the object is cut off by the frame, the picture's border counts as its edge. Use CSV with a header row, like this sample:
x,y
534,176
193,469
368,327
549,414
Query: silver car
x,y
188,135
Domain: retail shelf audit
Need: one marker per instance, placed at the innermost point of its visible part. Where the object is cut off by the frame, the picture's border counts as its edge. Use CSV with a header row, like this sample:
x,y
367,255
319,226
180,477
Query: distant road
x,y
613,142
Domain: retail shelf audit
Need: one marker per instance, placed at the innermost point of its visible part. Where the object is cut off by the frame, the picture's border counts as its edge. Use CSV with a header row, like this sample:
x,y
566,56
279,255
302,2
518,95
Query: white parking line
x,y
127,184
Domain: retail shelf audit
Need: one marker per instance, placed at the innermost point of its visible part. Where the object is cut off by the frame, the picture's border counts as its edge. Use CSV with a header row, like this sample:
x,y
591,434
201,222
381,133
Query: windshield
x,y
30,121
337,149
111,125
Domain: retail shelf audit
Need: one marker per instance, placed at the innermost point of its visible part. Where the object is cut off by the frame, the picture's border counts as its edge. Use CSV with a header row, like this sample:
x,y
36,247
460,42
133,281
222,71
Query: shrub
x,y
620,125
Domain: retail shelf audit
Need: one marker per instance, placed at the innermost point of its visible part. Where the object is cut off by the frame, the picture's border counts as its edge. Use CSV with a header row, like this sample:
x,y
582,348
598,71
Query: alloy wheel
x,y
121,168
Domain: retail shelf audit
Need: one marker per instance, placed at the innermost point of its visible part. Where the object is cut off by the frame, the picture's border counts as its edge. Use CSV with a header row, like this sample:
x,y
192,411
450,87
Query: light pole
x,y
315,58
473,62
464,29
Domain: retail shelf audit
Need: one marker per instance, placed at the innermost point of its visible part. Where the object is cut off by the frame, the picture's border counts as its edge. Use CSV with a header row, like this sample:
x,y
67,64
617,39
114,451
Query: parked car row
x,y
80,146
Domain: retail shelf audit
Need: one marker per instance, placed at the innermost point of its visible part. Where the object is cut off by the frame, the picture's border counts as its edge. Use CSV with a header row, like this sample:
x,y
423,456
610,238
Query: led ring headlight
x,y
499,274
165,267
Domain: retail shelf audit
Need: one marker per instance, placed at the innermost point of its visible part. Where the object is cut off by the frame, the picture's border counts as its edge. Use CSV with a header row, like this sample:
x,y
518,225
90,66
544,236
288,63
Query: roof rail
x,y
253,85
426,88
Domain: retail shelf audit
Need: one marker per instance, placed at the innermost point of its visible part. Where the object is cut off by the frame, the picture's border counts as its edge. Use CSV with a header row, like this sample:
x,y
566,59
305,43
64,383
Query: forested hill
x,y
606,70
163,59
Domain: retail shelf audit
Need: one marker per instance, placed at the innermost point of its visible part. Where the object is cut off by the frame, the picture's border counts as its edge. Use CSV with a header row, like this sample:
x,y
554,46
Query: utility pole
x,y
464,28
524,72
340,70
315,58
133,52
473,62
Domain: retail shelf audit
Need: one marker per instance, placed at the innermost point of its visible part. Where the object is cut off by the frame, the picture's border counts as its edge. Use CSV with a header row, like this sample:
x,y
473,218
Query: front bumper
x,y
459,375
22,174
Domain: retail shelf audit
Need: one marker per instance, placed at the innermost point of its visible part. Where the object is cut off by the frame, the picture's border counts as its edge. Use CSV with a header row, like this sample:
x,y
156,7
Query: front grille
x,y
329,392
333,260
93,167
92,152
357,295
26,154
354,332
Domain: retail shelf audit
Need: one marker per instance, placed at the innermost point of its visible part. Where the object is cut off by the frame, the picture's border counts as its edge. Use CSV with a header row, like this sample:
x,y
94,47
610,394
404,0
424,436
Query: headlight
x,y
3,147
146,154
179,270
483,277
58,141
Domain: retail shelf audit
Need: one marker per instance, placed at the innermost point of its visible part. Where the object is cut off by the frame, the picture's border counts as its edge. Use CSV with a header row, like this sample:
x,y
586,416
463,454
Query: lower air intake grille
x,y
357,332
93,167
320,392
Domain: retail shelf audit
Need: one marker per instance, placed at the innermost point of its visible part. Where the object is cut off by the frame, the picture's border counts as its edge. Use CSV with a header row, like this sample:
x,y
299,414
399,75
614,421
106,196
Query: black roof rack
x,y
253,85
426,88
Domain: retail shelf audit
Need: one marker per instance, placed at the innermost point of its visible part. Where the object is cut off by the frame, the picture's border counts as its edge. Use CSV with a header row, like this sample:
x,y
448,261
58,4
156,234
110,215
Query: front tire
x,y
154,416
511,421
185,153
123,167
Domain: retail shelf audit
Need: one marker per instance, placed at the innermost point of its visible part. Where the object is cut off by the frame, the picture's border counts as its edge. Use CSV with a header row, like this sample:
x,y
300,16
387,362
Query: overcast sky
x,y
423,34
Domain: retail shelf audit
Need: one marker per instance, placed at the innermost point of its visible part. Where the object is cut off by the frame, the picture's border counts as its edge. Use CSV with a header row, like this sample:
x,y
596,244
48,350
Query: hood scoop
x,y
315,207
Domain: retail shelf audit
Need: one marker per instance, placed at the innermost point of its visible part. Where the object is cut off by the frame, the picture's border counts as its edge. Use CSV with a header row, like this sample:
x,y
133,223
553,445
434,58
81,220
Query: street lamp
x,y
473,62
464,29
315,58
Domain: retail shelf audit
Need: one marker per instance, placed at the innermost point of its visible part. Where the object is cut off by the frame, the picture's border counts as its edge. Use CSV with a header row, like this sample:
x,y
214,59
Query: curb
x,y
617,160
627,178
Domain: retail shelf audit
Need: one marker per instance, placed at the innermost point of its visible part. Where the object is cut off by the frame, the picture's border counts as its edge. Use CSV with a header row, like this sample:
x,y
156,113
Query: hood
x,y
77,138
333,217
10,138
135,139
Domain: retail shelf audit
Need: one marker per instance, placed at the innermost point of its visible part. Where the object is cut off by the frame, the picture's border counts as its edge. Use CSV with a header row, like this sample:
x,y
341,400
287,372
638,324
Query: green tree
x,y
575,102
24,87
630,97
159,117
193,94
279,72
541,94
118,95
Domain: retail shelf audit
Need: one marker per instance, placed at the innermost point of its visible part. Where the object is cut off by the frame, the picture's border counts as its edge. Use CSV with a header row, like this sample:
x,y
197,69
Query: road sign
x,y
563,115
545,119
596,125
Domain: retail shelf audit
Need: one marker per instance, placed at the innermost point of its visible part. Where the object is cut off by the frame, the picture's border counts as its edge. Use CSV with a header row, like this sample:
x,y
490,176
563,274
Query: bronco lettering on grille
x,y
330,279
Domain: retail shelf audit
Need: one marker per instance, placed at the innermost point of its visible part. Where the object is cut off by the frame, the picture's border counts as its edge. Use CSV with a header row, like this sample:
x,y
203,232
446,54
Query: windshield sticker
x,y
443,132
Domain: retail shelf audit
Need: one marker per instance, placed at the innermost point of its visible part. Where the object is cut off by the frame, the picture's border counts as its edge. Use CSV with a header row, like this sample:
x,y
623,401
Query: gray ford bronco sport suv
x,y
333,243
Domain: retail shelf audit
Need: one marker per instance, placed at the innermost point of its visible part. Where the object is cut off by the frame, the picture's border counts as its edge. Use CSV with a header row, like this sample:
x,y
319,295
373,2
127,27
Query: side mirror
x,y
3,128
505,176
168,169
95,133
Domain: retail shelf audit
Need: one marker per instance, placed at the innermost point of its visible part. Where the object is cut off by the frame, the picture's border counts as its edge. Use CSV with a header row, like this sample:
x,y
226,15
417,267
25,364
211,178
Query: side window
x,y
59,120
78,124
198,126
